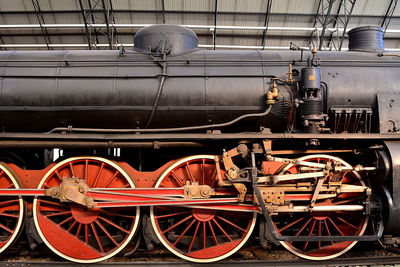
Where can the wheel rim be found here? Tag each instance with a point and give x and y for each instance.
(324, 223)
(11, 209)
(181, 230)
(76, 233)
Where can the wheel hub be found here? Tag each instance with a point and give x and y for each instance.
(84, 215)
(203, 215)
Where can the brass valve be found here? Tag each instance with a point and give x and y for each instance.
(272, 95)
(289, 79)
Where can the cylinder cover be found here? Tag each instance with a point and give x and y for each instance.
(169, 39)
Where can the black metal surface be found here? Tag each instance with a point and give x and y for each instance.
(366, 38)
(311, 77)
(102, 89)
(389, 110)
(130, 135)
(175, 39)
(393, 211)
(364, 238)
(312, 106)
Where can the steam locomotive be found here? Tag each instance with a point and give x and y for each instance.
(200, 151)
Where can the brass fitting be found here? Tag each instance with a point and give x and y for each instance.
(290, 80)
(195, 190)
(272, 95)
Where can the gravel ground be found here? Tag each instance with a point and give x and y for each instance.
(20, 252)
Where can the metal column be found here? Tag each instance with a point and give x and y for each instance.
(266, 23)
(388, 15)
(329, 21)
(99, 12)
(215, 25)
(39, 15)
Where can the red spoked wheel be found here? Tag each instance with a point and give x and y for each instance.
(79, 234)
(199, 235)
(324, 223)
(12, 209)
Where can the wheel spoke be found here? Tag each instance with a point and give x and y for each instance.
(107, 233)
(72, 226)
(222, 229)
(177, 224)
(346, 222)
(291, 224)
(111, 179)
(9, 215)
(303, 226)
(204, 235)
(203, 171)
(72, 169)
(66, 220)
(214, 178)
(98, 175)
(213, 232)
(86, 234)
(113, 224)
(59, 213)
(42, 201)
(86, 171)
(6, 228)
(183, 233)
(176, 177)
(310, 234)
(109, 213)
(319, 232)
(187, 168)
(97, 237)
(231, 223)
(8, 202)
(78, 231)
(327, 230)
(171, 215)
(194, 236)
(58, 176)
(335, 226)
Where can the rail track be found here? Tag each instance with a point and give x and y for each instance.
(362, 255)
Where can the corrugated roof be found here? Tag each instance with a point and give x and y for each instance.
(248, 13)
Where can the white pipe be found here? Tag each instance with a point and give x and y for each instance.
(255, 47)
(210, 27)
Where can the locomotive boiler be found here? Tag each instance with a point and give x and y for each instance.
(188, 147)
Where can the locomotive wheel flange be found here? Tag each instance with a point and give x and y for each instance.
(199, 235)
(75, 232)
